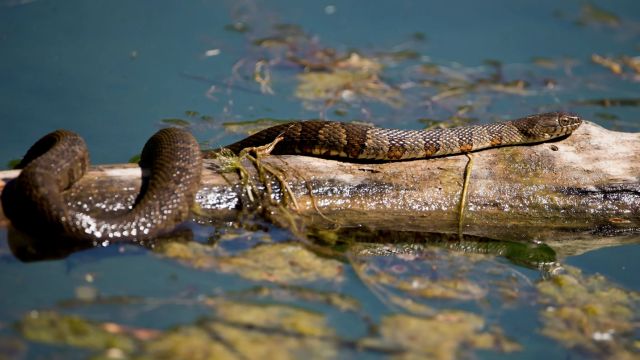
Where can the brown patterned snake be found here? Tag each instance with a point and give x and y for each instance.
(35, 201)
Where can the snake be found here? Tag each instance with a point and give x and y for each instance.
(34, 201)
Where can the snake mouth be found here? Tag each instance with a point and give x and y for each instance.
(557, 124)
(569, 121)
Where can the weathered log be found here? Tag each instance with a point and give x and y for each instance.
(588, 183)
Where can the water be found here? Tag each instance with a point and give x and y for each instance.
(111, 71)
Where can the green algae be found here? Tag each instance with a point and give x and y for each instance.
(453, 289)
(447, 335)
(412, 276)
(253, 126)
(400, 55)
(348, 85)
(279, 263)
(609, 102)
(235, 331)
(187, 342)
(585, 313)
(544, 62)
(338, 301)
(282, 263)
(54, 328)
(244, 330)
(592, 14)
(273, 316)
(13, 163)
(176, 122)
(454, 121)
(193, 254)
(528, 254)
(590, 314)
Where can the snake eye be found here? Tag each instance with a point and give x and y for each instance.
(567, 120)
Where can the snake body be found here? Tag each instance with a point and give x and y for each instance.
(35, 203)
(364, 142)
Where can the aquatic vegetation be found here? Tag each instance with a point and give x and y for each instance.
(590, 314)
(279, 262)
(405, 81)
(251, 127)
(451, 122)
(411, 276)
(54, 328)
(237, 330)
(609, 102)
(176, 122)
(11, 164)
(285, 292)
(460, 289)
(447, 335)
(186, 343)
(624, 66)
(400, 55)
(192, 118)
(240, 331)
(283, 262)
(194, 254)
(544, 62)
(591, 14)
(285, 318)
(586, 314)
(353, 78)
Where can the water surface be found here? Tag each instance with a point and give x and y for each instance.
(116, 71)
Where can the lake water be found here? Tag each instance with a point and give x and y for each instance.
(116, 71)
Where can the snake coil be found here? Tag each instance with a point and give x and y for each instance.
(34, 201)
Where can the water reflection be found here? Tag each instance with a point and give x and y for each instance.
(27, 248)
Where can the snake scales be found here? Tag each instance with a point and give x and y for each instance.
(34, 201)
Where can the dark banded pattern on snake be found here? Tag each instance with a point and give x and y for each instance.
(34, 201)
(364, 142)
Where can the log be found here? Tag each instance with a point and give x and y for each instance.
(585, 187)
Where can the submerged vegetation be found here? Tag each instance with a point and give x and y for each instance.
(280, 319)
(590, 315)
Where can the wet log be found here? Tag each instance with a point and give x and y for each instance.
(586, 184)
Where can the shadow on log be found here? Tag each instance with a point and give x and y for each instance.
(585, 188)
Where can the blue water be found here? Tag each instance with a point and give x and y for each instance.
(112, 70)
(70, 64)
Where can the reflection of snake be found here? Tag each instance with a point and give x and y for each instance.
(34, 200)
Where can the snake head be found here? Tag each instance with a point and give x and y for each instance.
(541, 127)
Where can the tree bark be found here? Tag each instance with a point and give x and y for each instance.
(588, 183)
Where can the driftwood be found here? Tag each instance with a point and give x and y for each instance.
(587, 184)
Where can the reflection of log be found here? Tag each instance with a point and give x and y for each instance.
(589, 182)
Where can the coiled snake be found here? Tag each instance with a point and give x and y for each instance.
(34, 201)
